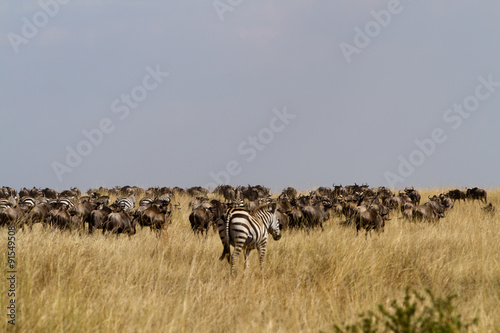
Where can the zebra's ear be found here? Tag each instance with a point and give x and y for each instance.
(272, 207)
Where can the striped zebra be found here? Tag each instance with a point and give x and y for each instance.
(66, 203)
(125, 203)
(4, 203)
(27, 202)
(146, 202)
(247, 231)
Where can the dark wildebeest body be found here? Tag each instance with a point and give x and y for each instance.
(369, 220)
(290, 192)
(38, 214)
(155, 217)
(457, 195)
(49, 193)
(489, 209)
(430, 211)
(200, 219)
(476, 194)
(63, 220)
(119, 223)
(98, 217)
(12, 215)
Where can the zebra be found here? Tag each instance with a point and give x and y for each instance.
(4, 203)
(146, 202)
(66, 203)
(27, 202)
(247, 231)
(125, 203)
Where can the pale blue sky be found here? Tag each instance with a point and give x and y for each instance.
(354, 121)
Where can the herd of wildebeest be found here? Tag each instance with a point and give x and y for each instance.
(358, 206)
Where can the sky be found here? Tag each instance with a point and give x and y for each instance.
(278, 93)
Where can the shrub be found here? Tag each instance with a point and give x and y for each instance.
(416, 314)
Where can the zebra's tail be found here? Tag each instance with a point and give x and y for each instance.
(227, 249)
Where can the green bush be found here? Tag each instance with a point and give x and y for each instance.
(416, 314)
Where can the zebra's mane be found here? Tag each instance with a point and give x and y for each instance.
(262, 208)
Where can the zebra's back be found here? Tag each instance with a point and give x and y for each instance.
(246, 231)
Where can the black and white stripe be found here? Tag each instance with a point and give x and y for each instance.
(247, 231)
(66, 203)
(4, 203)
(125, 203)
(27, 202)
(146, 202)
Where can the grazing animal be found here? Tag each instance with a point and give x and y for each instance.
(12, 215)
(125, 204)
(476, 194)
(62, 219)
(27, 202)
(489, 209)
(369, 219)
(119, 223)
(247, 231)
(200, 219)
(413, 195)
(4, 203)
(290, 192)
(457, 195)
(38, 214)
(155, 217)
(431, 211)
(98, 217)
(49, 193)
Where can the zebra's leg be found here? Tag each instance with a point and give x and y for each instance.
(262, 252)
(247, 261)
(237, 249)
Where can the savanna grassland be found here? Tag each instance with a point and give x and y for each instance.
(68, 282)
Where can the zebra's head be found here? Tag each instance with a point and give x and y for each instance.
(274, 226)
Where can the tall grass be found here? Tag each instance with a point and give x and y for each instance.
(67, 282)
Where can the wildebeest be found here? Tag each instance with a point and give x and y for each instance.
(315, 215)
(98, 217)
(290, 192)
(490, 209)
(13, 215)
(49, 193)
(200, 219)
(38, 214)
(155, 217)
(119, 223)
(446, 201)
(369, 219)
(413, 195)
(457, 194)
(82, 210)
(63, 220)
(431, 211)
(226, 191)
(476, 194)
(206, 214)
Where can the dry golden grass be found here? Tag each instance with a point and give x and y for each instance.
(72, 283)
